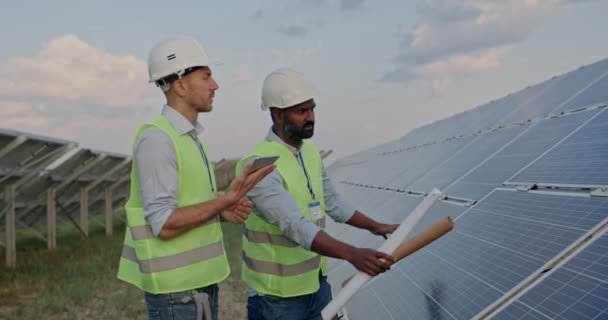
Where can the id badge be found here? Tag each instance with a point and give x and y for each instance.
(314, 207)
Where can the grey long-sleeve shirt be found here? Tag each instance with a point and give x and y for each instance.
(156, 161)
(277, 206)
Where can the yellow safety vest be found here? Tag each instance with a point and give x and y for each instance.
(191, 260)
(272, 263)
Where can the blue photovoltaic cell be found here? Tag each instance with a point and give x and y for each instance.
(414, 163)
(517, 155)
(495, 245)
(558, 92)
(581, 159)
(466, 158)
(475, 119)
(578, 289)
(597, 93)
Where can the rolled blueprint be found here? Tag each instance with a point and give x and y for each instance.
(422, 239)
(389, 247)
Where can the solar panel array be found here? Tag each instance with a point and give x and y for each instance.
(45, 180)
(526, 179)
(576, 289)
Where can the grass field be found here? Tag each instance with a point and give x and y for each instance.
(78, 280)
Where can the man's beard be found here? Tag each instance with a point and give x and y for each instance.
(294, 133)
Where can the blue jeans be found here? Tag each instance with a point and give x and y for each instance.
(306, 307)
(181, 305)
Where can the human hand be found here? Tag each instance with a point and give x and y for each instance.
(370, 261)
(238, 213)
(383, 229)
(247, 180)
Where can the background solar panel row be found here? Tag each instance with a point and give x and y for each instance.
(80, 181)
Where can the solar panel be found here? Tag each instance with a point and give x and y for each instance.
(398, 166)
(595, 94)
(22, 154)
(466, 158)
(575, 289)
(581, 159)
(24, 157)
(472, 121)
(515, 156)
(558, 92)
(414, 163)
(497, 244)
(506, 240)
(33, 194)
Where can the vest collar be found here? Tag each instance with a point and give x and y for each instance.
(180, 123)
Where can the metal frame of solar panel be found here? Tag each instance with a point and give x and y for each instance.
(580, 160)
(595, 94)
(533, 142)
(83, 179)
(478, 119)
(23, 157)
(559, 92)
(461, 161)
(85, 172)
(576, 288)
(504, 241)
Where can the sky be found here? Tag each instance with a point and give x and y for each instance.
(77, 70)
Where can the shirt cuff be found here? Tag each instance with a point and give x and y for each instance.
(308, 232)
(342, 212)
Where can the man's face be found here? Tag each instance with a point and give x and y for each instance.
(200, 89)
(299, 120)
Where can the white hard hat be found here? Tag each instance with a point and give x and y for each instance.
(174, 55)
(284, 88)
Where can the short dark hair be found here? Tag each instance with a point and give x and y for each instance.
(272, 112)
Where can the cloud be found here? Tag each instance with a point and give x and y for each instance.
(73, 90)
(257, 15)
(314, 3)
(73, 71)
(17, 114)
(293, 57)
(351, 5)
(447, 10)
(294, 31)
(305, 16)
(455, 38)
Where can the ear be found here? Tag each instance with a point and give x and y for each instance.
(179, 86)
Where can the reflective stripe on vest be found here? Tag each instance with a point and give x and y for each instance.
(274, 239)
(282, 270)
(265, 237)
(175, 261)
(141, 232)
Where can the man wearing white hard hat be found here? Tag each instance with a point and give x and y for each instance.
(173, 248)
(284, 246)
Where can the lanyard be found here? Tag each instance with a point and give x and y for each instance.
(301, 161)
(202, 151)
